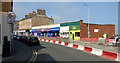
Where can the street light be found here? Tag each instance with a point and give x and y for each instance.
(88, 20)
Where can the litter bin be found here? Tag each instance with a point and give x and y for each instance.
(6, 47)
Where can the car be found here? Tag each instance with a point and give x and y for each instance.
(14, 36)
(27, 39)
(116, 40)
(34, 40)
(19, 37)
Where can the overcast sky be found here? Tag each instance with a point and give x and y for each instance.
(100, 12)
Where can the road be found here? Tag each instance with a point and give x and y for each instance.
(49, 52)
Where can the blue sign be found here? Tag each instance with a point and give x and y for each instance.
(34, 30)
(55, 29)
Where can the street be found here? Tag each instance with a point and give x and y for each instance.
(49, 52)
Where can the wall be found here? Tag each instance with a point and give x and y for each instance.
(39, 20)
(25, 24)
(84, 30)
(110, 29)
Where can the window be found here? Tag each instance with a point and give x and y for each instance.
(96, 30)
(77, 34)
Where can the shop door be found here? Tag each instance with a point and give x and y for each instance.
(73, 36)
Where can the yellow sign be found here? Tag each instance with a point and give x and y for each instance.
(105, 35)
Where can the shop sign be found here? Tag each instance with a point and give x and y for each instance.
(55, 29)
(34, 30)
(43, 29)
(70, 23)
(74, 28)
(22, 31)
(66, 28)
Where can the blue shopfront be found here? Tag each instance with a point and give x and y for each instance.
(48, 32)
(54, 32)
(34, 32)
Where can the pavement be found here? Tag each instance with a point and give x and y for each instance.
(48, 52)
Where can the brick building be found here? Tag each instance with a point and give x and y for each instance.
(96, 30)
(34, 19)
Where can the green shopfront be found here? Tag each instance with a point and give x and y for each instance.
(74, 29)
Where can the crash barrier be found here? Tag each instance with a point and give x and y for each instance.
(95, 51)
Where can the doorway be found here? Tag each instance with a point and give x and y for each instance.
(73, 36)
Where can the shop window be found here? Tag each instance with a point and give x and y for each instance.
(77, 34)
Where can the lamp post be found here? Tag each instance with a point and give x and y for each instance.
(88, 21)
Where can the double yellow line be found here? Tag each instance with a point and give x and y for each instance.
(34, 56)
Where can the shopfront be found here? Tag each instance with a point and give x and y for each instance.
(74, 32)
(64, 32)
(54, 32)
(22, 32)
(34, 32)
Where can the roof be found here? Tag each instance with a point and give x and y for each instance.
(99, 24)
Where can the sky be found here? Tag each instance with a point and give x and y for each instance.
(99, 12)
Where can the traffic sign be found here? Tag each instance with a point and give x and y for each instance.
(11, 17)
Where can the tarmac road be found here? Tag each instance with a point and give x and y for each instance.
(49, 52)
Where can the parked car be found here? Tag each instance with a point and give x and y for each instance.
(27, 39)
(14, 36)
(19, 37)
(33, 40)
(116, 40)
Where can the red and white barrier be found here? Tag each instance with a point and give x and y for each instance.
(99, 52)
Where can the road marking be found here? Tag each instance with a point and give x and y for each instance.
(35, 57)
(32, 56)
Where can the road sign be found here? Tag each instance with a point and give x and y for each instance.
(11, 17)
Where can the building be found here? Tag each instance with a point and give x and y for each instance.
(74, 30)
(16, 28)
(46, 30)
(5, 27)
(34, 19)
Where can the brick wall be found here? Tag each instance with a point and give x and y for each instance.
(84, 30)
(110, 29)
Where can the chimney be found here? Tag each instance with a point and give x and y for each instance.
(81, 21)
(40, 11)
(30, 14)
(51, 17)
(26, 15)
